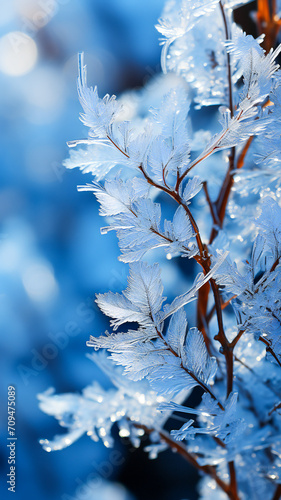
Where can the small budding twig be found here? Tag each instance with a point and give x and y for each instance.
(190, 373)
(269, 349)
(204, 260)
(275, 407)
(212, 205)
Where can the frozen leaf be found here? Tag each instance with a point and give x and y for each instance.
(140, 302)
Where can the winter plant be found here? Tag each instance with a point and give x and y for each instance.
(210, 150)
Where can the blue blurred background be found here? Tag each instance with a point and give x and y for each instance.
(52, 256)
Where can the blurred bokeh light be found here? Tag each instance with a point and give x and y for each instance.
(18, 53)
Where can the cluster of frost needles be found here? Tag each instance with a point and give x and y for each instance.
(223, 333)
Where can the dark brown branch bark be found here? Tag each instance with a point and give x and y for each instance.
(276, 407)
(269, 349)
(268, 23)
(277, 494)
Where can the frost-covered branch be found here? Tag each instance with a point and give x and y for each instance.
(226, 343)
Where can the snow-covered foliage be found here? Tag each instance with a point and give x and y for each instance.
(223, 334)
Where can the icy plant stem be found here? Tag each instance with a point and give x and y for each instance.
(190, 373)
(204, 260)
(269, 349)
(227, 37)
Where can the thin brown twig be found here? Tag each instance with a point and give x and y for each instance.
(237, 338)
(269, 349)
(190, 373)
(119, 149)
(275, 407)
(178, 199)
(191, 458)
(220, 209)
(222, 200)
(212, 206)
(204, 261)
(218, 213)
(223, 306)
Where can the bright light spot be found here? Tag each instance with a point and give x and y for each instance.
(39, 282)
(272, 476)
(160, 399)
(169, 256)
(67, 441)
(124, 433)
(18, 53)
(89, 433)
(258, 358)
(113, 418)
(212, 485)
(249, 344)
(102, 432)
(106, 444)
(136, 419)
(141, 398)
(99, 399)
(48, 448)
